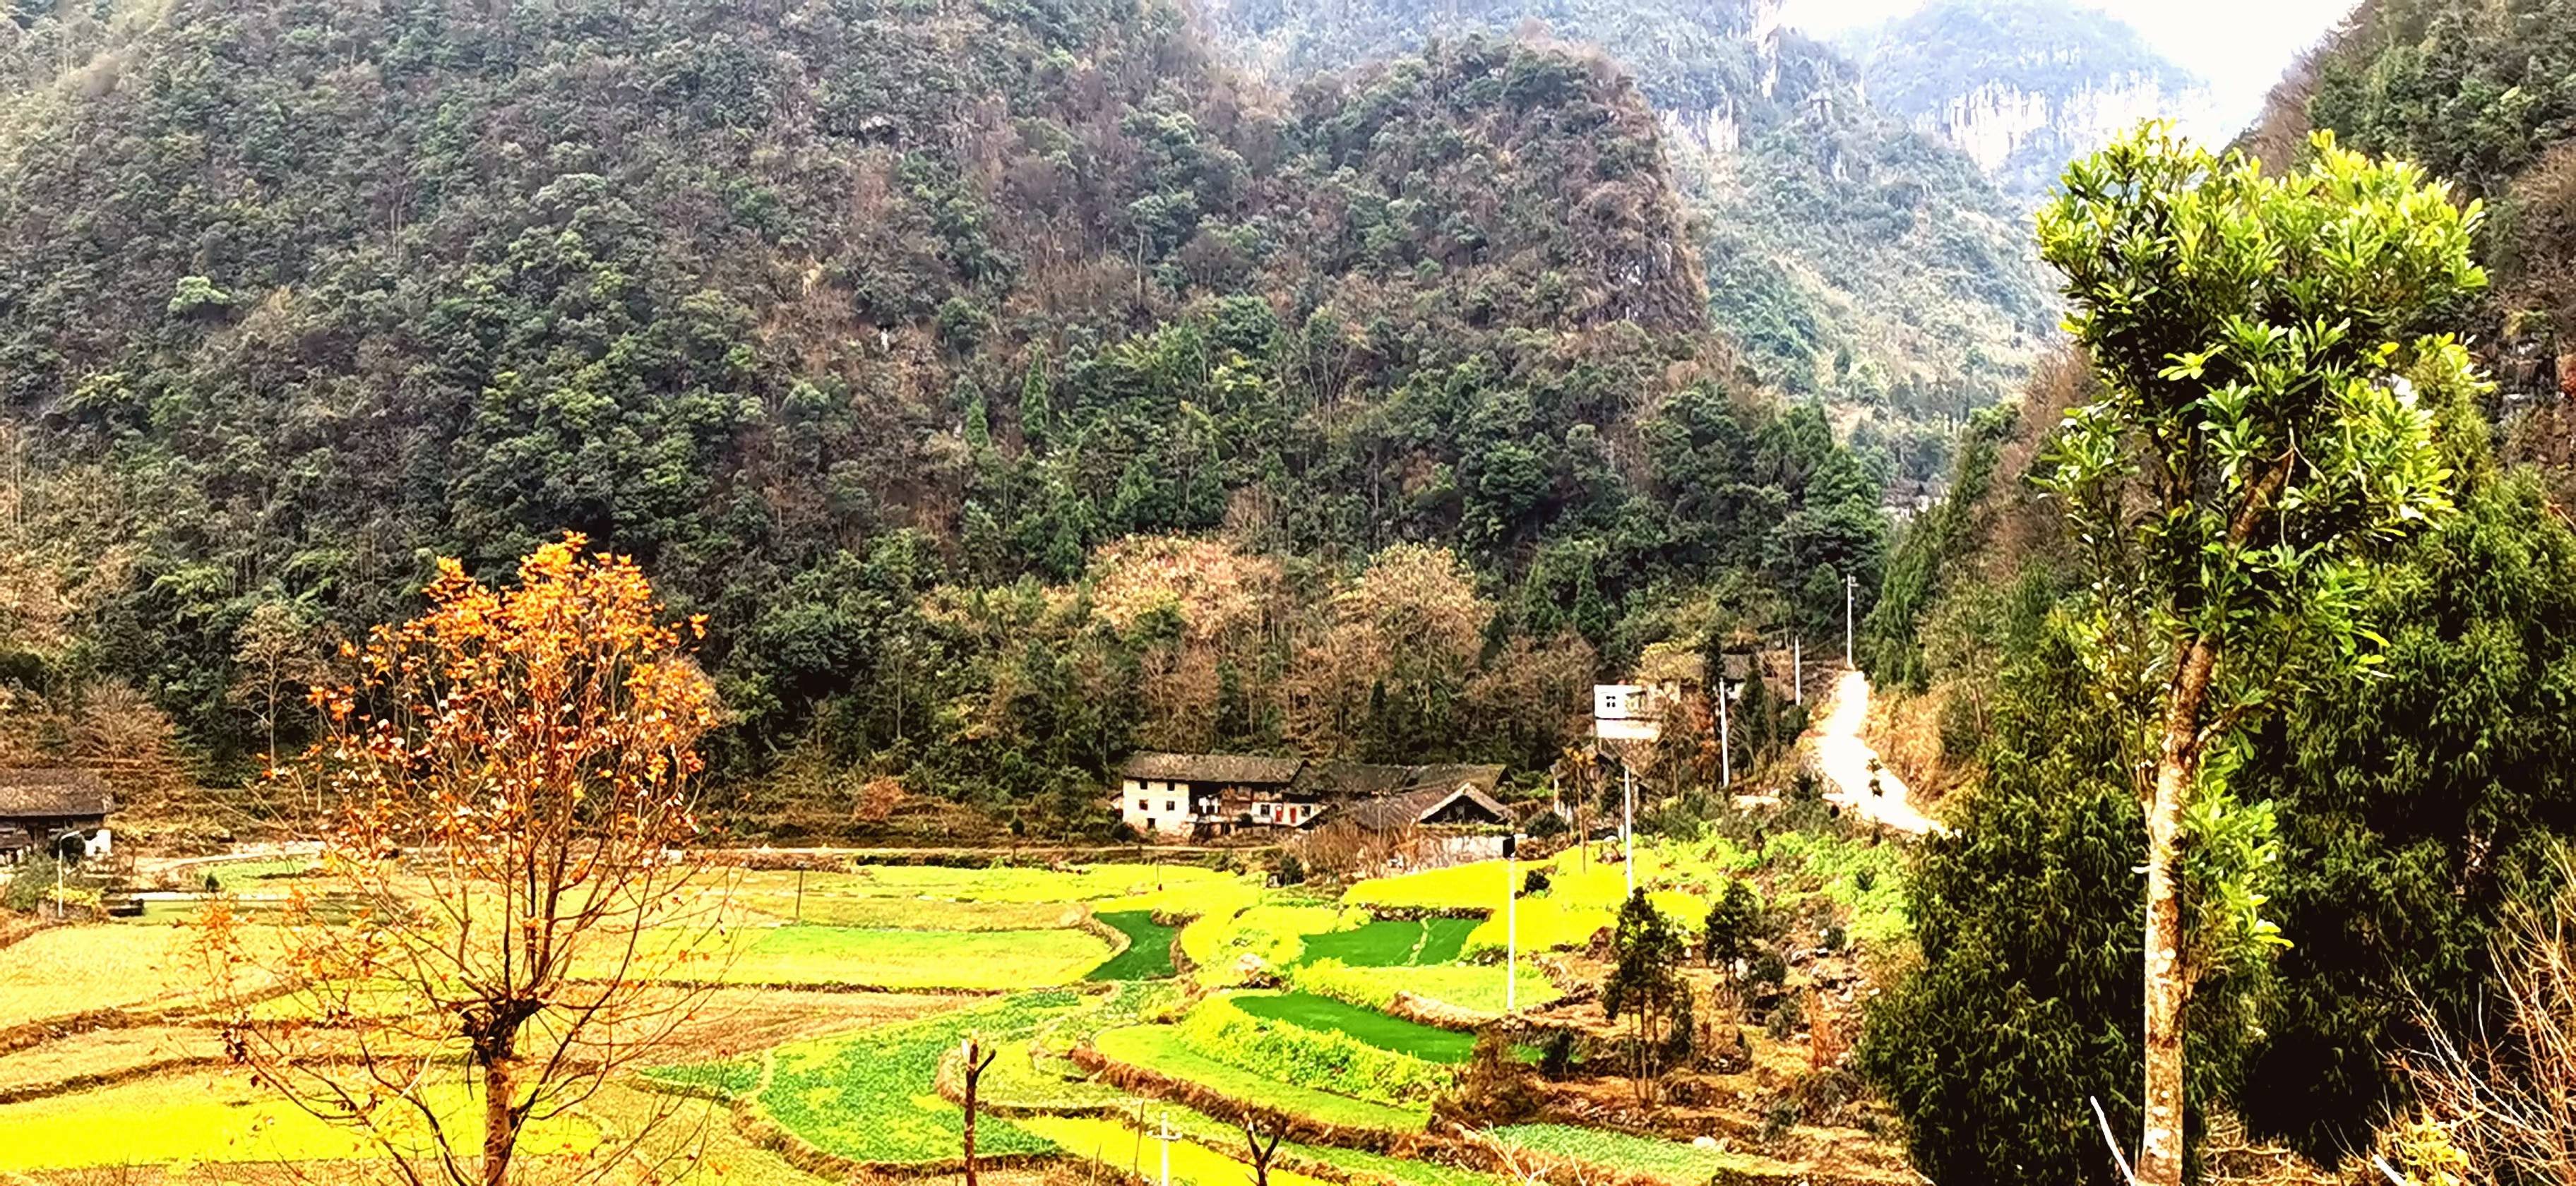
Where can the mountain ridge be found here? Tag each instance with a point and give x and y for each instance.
(2021, 86)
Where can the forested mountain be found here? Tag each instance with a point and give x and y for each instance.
(2021, 86)
(2413, 802)
(1852, 261)
(2479, 92)
(872, 327)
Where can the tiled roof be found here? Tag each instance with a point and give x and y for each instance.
(1230, 769)
(1389, 812)
(1363, 780)
(38, 793)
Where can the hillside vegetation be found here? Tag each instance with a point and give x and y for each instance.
(2414, 803)
(1851, 260)
(870, 327)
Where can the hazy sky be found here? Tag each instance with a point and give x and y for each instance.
(2240, 46)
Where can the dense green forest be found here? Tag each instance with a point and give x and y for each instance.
(2412, 804)
(873, 328)
(1851, 260)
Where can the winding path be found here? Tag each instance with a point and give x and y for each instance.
(1845, 760)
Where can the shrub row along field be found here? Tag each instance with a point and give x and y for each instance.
(1149, 948)
(1089, 883)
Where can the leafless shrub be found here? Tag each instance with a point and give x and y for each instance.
(2503, 1093)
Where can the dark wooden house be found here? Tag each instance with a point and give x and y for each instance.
(38, 806)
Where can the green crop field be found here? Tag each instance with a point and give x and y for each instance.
(1361, 1167)
(1392, 942)
(1163, 1049)
(869, 1096)
(1149, 948)
(1272, 935)
(860, 1083)
(1375, 1028)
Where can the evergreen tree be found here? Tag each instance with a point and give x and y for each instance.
(1646, 986)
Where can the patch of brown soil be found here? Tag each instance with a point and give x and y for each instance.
(737, 1021)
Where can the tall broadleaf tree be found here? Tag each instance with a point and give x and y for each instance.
(2256, 446)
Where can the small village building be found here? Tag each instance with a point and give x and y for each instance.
(40, 806)
(1207, 796)
(1425, 817)
(1211, 794)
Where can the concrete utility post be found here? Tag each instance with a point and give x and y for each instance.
(1849, 583)
(1725, 734)
(1167, 1136)
(1511, 923)
(1798, 668)
(1628, 823)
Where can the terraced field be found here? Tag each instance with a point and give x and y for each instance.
(802, 1058)
(207, 1116)
(1163, 1049)
(1366, 1025)
(1388, 943)
(1149, 947)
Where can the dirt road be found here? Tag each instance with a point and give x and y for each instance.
(1845, 761)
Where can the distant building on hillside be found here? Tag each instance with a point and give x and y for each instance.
(40, 806)
(1907, 498)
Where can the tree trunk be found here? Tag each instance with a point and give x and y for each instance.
(500, 1125)
(970, 1115)
(2168, 983)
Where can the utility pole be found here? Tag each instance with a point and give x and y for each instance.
(1167, 1136)
(1798, 668)
(1628, 823)
(1725, 733)
(1511, 924)
(1849, 582)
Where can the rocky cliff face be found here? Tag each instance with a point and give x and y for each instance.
(2021, 86)
(1997, 123)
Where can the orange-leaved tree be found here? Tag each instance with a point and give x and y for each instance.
(505, 917)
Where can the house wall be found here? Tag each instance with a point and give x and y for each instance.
(1156, 805)
(22, 835)
(1175, 807)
